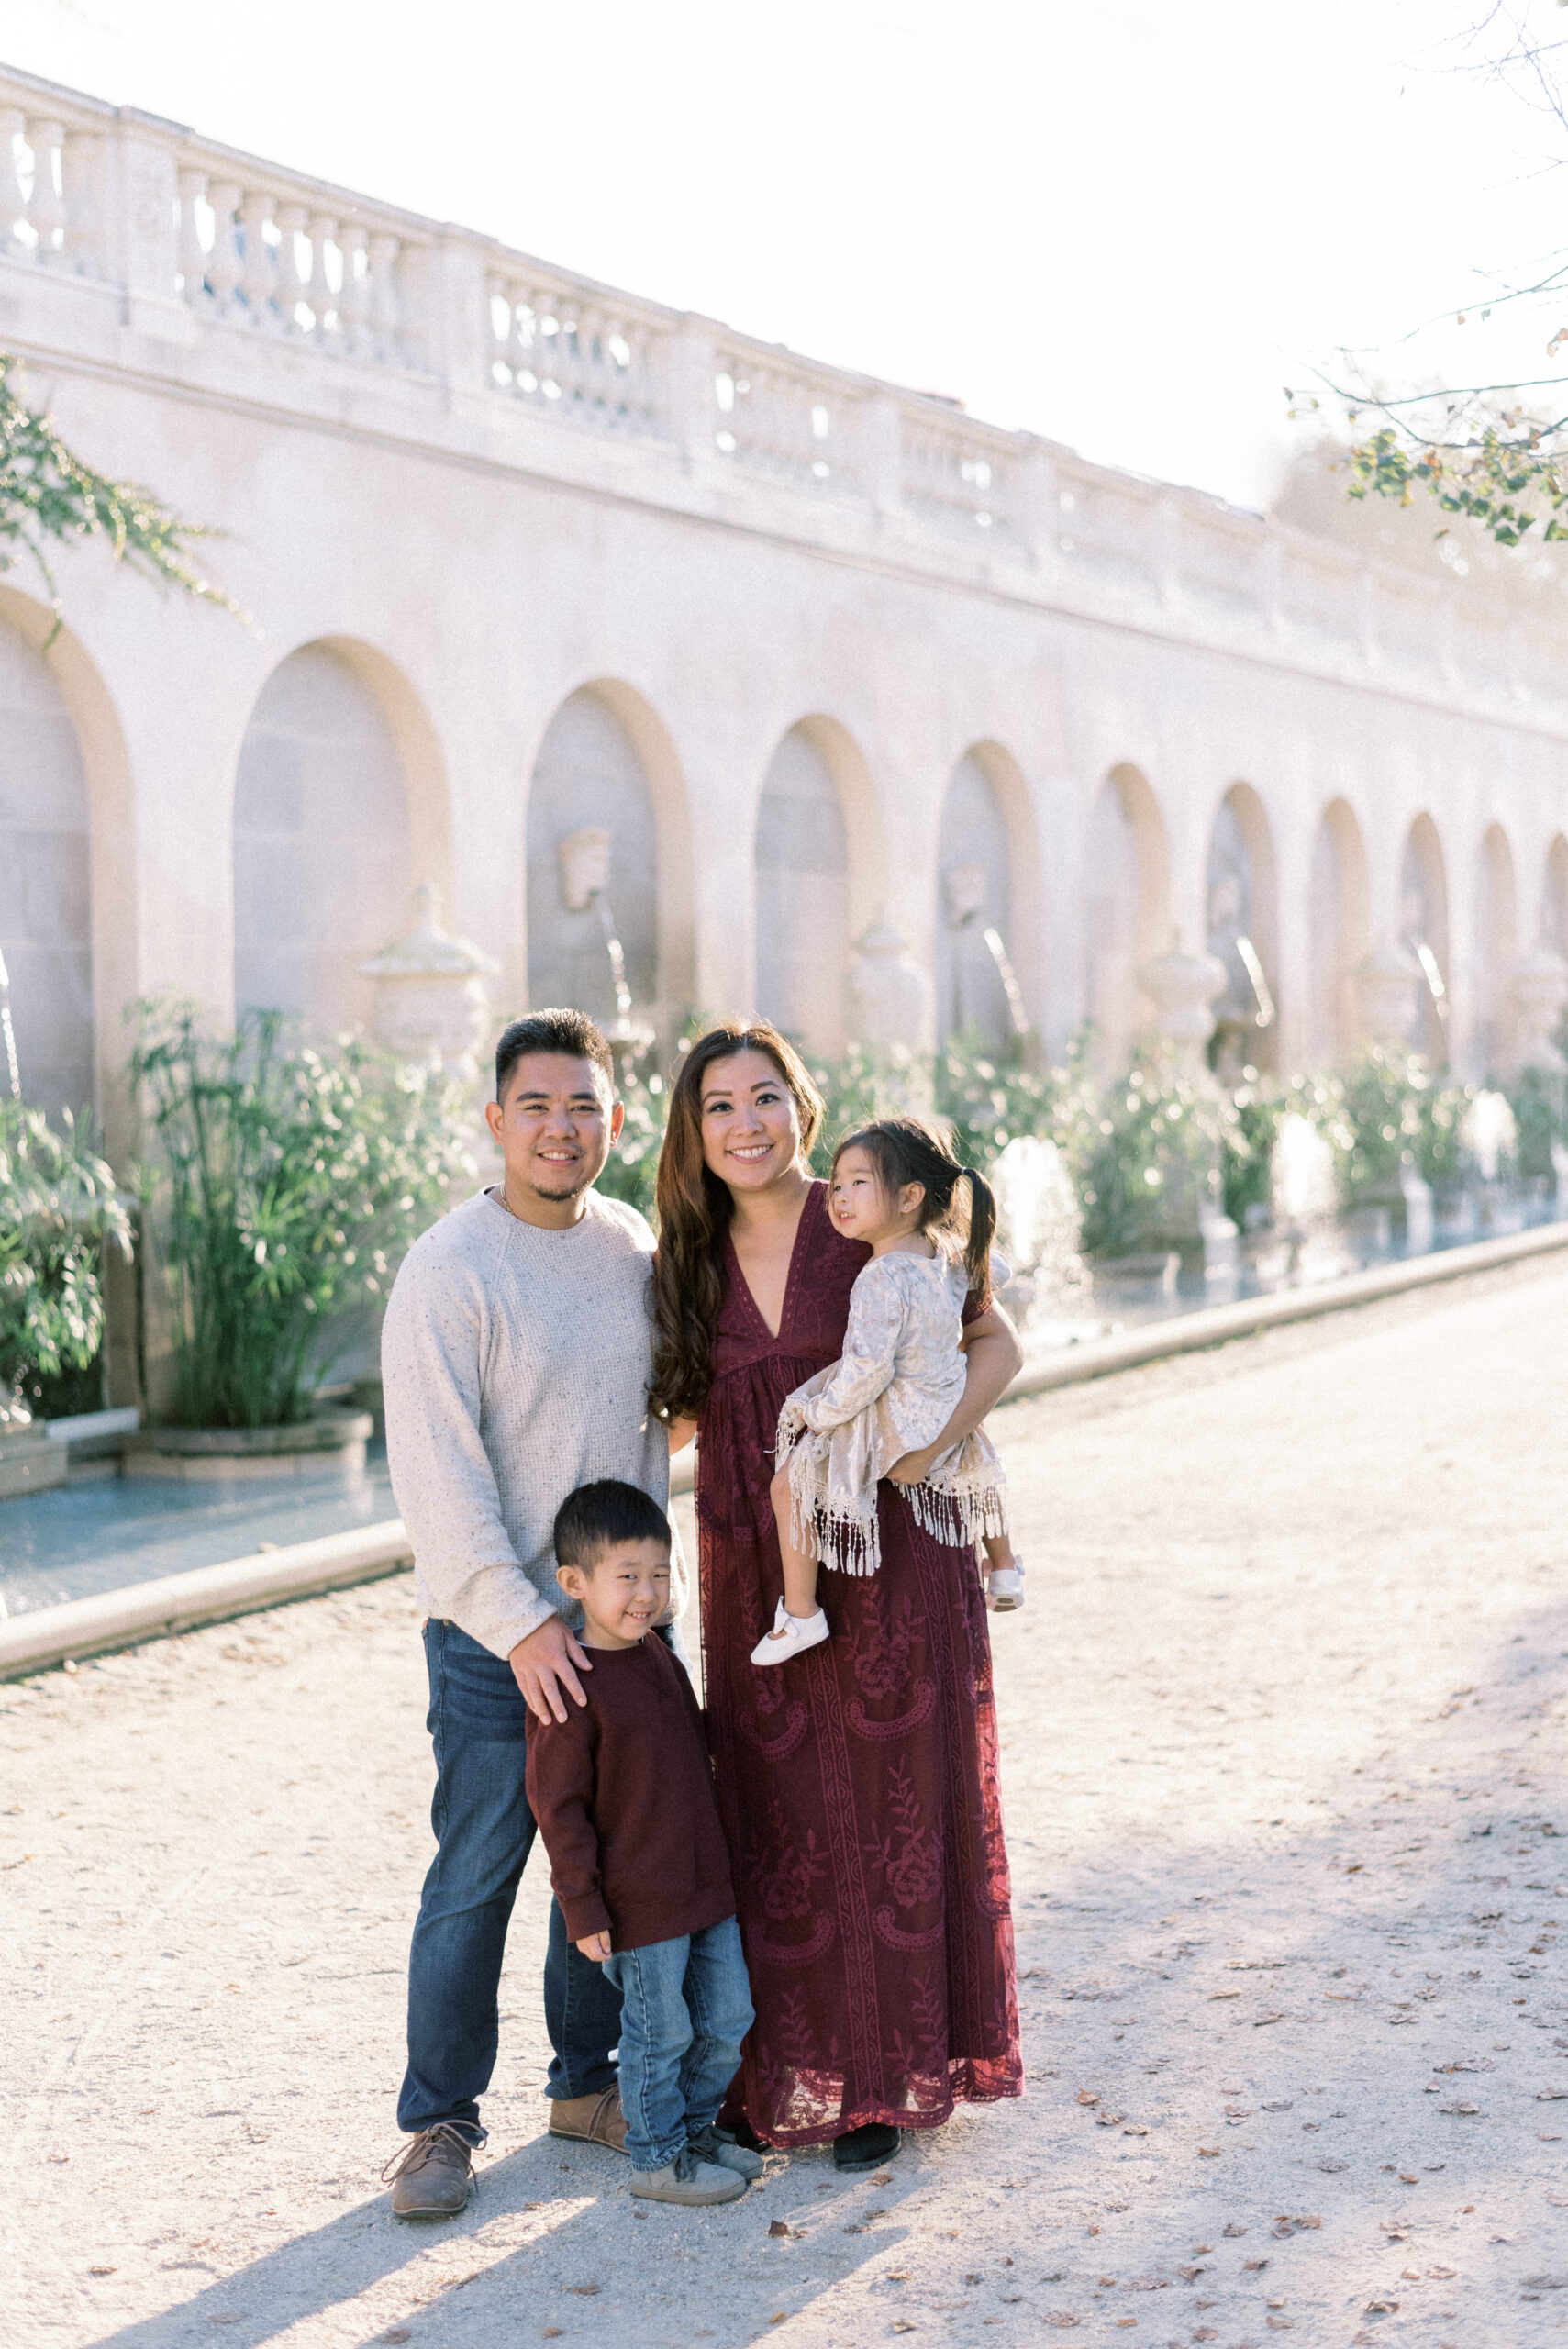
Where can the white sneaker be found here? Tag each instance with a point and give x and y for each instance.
(791, 1636)
(1005, 1587)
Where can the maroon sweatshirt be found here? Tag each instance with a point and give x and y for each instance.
(623, 1793)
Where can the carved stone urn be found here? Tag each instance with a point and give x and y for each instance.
(431, 1007)
(885, 993)
(1387, 983)
(1539, 987)
(1183, 989)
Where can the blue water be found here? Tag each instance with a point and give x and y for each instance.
(109, 1531)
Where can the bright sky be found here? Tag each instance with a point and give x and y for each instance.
(1122, 224)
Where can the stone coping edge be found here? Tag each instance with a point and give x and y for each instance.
(1216, 1325)
(149, 1610)
(84, 1627)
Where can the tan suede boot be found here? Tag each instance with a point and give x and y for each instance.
(595, 2120)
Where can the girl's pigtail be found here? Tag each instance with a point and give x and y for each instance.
(982, 1232)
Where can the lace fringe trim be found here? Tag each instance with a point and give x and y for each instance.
(844, 1535)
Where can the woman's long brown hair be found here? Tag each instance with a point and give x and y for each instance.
(695, 1208)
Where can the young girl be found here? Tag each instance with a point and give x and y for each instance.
(898, 1384)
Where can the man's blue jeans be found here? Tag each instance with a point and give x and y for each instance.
(685, 2006)
(478, 1724)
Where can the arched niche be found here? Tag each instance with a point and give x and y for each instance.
(339, 810)
(987, 862)
(1126, 910)
(67, 868)
(1244, 931)
(1554, 897)
(1340, 932)
(1497, 950)
(1423, 927)
(607, 766)
(817, 844)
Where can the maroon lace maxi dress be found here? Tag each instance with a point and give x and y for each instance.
(857, 1785)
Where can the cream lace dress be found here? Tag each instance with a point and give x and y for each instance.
(893, 1390)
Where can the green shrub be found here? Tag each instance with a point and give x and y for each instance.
(1162, 1134)
(633, 1165)
(1539, 1098)
(1382, 1105)
(59, 1210)
(1248, 1144)
(289, 1183)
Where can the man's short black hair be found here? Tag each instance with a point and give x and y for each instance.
(595, 1516)
(557, 1030)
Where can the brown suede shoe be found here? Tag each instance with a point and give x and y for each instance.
(595, 2119)
(434, 2177)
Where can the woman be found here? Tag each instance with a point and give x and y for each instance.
(858, 1789)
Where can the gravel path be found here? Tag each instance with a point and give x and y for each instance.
(1284, 1748)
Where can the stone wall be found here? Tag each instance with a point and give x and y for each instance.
(527, 558)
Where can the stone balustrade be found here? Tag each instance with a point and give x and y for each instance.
(187, 240)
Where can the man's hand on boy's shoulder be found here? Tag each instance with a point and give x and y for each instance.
(542, 1666)
(596, 1946)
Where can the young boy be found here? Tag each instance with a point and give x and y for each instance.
(623, 1793)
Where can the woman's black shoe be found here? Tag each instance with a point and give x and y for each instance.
(865, 2148)
(744, 2134)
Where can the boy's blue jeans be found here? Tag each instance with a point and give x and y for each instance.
(685, 2006)
(478, 1725)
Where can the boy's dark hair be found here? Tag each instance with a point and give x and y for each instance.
(595, 1516)
(557, 1030)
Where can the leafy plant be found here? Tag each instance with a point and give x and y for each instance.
(49, 493)
(1157, 1157)
(58, 1209)
(1442, 1151)
(1539, 1098)
(633, 1164)
(1382, 1111)
(289, 1184)
(1247, 1143)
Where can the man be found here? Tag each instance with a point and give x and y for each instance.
(514, 1361)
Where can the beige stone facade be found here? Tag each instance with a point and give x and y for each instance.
(826, 660)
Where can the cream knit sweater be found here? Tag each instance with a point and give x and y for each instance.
(515, 1364)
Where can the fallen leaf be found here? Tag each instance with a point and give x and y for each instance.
(1088, 2095)
(584, 2291)
(1199, 2248)
(1441, 2275)
(1208, 2153)
(1550, 2096)
(883, 2177)
(1409, 2177)
(903, 2325)
(1253, 2266)
(1546, 2283)
(1150, 2284)
(1459, 2107)
(1061, 2319)
(1382, 2308)
(1135, 2129)
(1206, 2332)
(1259, 2021)
(1223, 1994)
(1233, 2230)
(399, 2333)
(109, 2271)
(1189, 2274)
(780, 2227)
